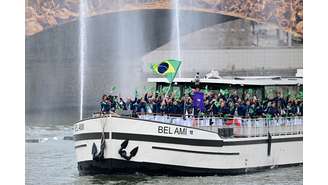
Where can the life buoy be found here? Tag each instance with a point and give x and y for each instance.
(233, 121)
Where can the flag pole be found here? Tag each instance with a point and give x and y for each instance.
(167, 92)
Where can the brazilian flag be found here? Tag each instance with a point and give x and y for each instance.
(167, 68)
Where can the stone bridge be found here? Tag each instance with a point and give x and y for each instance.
(286, 14)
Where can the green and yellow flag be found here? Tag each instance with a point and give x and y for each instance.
(206, 89)
(167, 68)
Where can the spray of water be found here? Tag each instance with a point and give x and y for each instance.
(82, 51)
(177, 32)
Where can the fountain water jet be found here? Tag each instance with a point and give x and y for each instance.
(177, 32)
(83, 48)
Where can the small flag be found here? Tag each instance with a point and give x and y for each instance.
(177, 93)
(165, 89)
(188, 90)
(206, 89)
(224, 92)
(198, 100)
(217, 103)
(167, 68)
(136, 93)
(113, 88)
(300, 95)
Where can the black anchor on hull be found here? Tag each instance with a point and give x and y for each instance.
(100, 155)
(123, 153)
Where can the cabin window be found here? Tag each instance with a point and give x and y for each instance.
(294, 92)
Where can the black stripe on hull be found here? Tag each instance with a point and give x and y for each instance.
(88, 136)
(182, 141)
(80, 146)
(193, 151)
(262, 141)
(165, 139)
(116, 166)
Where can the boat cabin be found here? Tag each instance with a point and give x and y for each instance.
(261, 86)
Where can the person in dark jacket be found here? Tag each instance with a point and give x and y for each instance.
(279, 100)
(232, 108)
(272, 110)
(122, 104)
(241, 110)
(141, 106)
(223, 109)
(157, 105)
(259, 111)
(104, 104)
(131, 104)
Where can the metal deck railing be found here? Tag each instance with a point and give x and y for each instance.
(242, 127)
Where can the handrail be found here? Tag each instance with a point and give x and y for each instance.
(241, 127)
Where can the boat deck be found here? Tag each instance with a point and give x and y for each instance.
(238, 127)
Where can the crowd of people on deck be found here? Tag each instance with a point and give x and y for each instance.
(211, 104)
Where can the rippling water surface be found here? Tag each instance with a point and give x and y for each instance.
(52, 161)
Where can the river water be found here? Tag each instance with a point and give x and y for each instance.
(52, 161)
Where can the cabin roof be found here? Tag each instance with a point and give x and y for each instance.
(249, 80)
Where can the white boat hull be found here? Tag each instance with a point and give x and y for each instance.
(177, 150)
